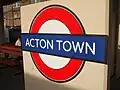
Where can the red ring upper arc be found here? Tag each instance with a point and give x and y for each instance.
(44, 16)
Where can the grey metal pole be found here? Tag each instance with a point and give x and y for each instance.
(113, 39)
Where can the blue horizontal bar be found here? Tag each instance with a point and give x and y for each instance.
(88, 47)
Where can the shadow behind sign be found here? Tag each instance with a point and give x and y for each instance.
(14, 34)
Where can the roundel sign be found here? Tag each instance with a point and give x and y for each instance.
(56, 19)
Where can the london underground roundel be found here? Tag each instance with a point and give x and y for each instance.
(56, 19)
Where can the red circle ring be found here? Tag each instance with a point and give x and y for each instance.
(66, 16)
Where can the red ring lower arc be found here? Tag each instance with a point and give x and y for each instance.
(65, 16)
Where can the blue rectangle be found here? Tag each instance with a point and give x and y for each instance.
(91, 47)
